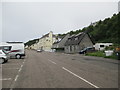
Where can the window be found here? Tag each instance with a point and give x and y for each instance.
(7, 48)
(101, 45)
(0, 52)
(70, 48)
(76, 38)
(69, 39)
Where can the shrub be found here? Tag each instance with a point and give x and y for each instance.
(97, 53)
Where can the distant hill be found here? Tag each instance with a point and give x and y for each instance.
(30, 42)
(107, 30)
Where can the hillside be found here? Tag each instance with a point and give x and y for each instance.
(107, 30)
(30, 42)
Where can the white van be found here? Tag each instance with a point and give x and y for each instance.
(101, 46)
(15, 49)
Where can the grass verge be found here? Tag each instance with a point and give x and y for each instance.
(101, 54)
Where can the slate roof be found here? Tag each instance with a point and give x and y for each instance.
(61, 43)
(76, 39)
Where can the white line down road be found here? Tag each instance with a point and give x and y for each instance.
(6, 79)
(52, 62)
(80, 78)
(16, 77)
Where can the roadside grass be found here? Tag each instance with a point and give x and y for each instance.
(101, 54)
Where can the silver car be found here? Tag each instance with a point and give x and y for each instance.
(3, 56)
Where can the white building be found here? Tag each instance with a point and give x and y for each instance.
(101, 46)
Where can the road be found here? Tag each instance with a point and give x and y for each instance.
(59, 70)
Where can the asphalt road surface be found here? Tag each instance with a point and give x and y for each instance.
(59, 70)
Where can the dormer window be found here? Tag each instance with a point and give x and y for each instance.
(69, 39)
(76, 38)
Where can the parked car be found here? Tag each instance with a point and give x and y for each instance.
(85, 50)
(3, 56)
(39, 50)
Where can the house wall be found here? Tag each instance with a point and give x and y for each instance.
(77, 49)
(62, 42)
(67, 49)
(46, 42)
(72, 49)
(85, 42)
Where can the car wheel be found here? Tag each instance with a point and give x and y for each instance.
(6, 61)
(2, 61)
(18, 56)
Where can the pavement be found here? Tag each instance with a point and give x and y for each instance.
(59, 70)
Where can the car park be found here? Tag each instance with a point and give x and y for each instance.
(3, 56)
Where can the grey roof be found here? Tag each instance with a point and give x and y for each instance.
(47, 35)
(61, 43)
(56, 42)
(76, 39)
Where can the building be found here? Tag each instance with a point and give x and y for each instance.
(34, 46)
(75, 43)
(45, 42)
(101, 46)
(60, 44)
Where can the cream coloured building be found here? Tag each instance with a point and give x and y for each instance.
(45, 42)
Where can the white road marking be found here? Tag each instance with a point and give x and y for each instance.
(80, 77)
(20, 70)
(12, 86)
(21, 66)
(24, 60)
(52, 62)
(10, 64)
(11, 68)
(16, 77)
(6, 79)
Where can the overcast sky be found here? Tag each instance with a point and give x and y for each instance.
(23, 21)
